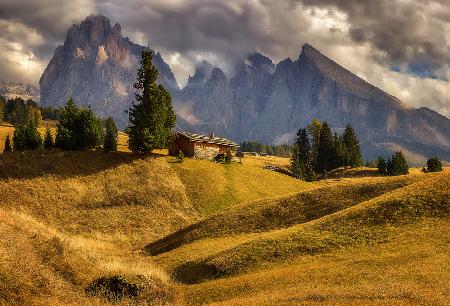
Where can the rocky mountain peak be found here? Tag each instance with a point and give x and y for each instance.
(97, 67)
(201, 75)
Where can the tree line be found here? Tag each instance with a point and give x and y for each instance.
(78, 129)
(317, 150)
(284, 150)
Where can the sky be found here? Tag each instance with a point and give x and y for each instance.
(401, 46)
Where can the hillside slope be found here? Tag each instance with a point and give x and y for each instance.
(403, 219)
(75, 217)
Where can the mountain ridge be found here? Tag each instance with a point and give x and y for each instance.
(261, 101)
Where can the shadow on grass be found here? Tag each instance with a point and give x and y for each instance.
(31, 164)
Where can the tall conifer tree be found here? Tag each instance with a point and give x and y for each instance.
(151, 117)
(325, 150)
(353, 151)
(111, 134)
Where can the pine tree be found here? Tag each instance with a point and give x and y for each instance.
(8, 147)
(48, 140)
(27, 137)
(325, 150)
(397, 164)
(78, 128)
(434, 165)
(381, 165)
(151, 117)
(314, 130)
(339, 151)
(301, 161)
(111, 134)
(353, 151)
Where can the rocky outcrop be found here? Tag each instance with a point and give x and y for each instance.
(10, 90)
(97, 67)
(270, 102)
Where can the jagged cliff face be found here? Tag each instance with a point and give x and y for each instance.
(97, 67)
(270, 103)
(10, 90)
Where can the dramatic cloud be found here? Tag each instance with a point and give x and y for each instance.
(401, 46)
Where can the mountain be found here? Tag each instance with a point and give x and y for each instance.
(261, 101)
(10, 90)
(97, 67)
(269, 103)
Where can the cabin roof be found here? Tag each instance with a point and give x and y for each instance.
(208, 139)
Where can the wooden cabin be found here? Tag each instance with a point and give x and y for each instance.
(200, 146)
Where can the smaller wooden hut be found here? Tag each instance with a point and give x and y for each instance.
(200, 146)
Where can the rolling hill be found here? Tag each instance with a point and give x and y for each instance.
(96, 228)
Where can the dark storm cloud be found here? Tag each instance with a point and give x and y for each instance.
(408, 36)
(410, 32)
(227, 28)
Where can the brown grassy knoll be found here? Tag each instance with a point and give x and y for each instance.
(85, 217)
(366, 223)
(284, 211)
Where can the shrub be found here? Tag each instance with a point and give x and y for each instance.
(434, 165)
(180, 156)
(220, 158)
(228, 157)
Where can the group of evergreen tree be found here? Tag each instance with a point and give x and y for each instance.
(396, 165)
(317, 150)
(78, 129)
(19, 111)
(258, 147)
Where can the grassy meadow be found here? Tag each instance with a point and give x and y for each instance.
(100, 228)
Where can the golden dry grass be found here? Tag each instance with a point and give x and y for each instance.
(76, 216)
(386, 243)
(248, 235)
(213, 187)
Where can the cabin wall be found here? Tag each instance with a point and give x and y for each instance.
(206, 150)
(183, 145)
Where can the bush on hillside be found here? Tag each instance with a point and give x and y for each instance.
(228, 157)
(180, 156)
(27, 137)
(434, 165)
(78, 128)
